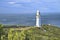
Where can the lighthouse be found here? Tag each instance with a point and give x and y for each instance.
(37, 18)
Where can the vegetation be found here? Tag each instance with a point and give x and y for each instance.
(46, 32)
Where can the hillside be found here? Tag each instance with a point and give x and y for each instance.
(46, 32)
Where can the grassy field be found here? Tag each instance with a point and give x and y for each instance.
(45, 32)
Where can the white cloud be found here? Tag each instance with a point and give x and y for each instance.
(17, 5)
(11, 2)
(26, 0)
(23, 0)
(14, 4)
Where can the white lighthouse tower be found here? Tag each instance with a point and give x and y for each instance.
(37, 18)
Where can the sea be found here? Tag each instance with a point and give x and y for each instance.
(29, 19)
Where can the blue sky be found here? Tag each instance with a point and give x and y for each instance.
(29, 6)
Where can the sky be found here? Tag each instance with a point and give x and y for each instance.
(29, 6)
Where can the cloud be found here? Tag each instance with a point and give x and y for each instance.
(23, 0)
(17, 5)
(14, 4)
(42, 5)
(11, 2)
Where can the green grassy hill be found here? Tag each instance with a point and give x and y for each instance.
(46, 32)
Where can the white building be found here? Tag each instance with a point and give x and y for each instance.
(37, 18)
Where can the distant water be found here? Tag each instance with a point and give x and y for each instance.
(29, 19)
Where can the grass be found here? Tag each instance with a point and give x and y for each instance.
(45, 32)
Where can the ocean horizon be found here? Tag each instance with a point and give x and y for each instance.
(29, 19)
